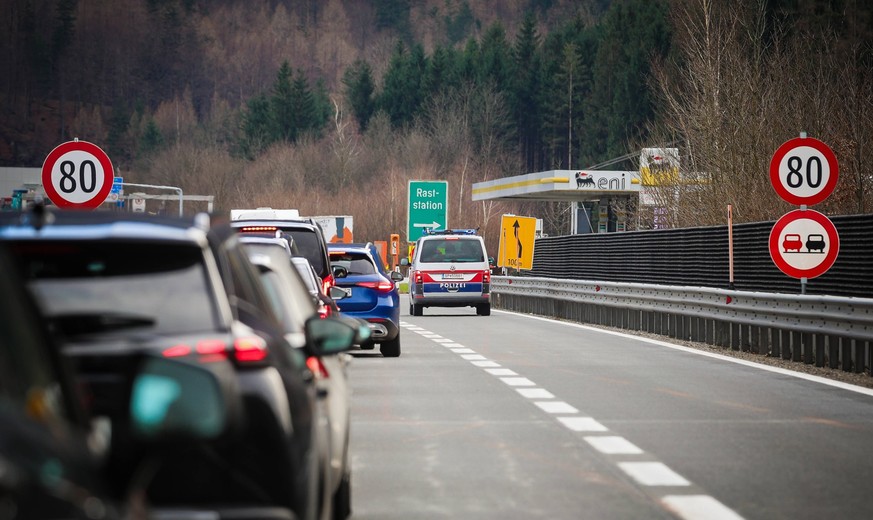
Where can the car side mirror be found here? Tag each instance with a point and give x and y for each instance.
(172, 399)
(397, 277)
(339, 271)
(404, 261)
(326, 336)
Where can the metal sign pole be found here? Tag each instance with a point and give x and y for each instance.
(730, 247)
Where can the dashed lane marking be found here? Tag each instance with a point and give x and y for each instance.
(647, 473)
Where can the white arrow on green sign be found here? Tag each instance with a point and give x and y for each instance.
(428, 207)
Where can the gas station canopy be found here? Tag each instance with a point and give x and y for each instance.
(560, 185)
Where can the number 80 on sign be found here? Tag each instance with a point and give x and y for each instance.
(78, 175)
(804, 171)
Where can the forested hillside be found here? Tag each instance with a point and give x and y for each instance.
(332, 106)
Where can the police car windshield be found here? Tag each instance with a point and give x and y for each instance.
(454, 249)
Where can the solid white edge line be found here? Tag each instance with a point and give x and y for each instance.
(752, 364)
(699, 507)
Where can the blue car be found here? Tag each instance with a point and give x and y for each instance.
(373, 297)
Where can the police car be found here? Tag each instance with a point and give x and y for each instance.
(450, 269)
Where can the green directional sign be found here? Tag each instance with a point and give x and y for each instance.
(428, 207)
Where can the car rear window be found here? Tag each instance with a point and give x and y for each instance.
(99, 286)
(308, 243)
(355, 263)
(451, 250)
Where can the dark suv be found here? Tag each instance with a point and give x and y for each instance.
(304, 233)
(117, 285)
(45, 431)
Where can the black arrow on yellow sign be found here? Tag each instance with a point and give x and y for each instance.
(517, 240)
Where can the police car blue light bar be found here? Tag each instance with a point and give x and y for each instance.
(471, 231)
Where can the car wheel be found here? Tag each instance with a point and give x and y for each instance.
(416, 310)
(342, 499)
(484, 309)
(391, 348)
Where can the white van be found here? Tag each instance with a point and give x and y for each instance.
(264, 213)
(450, 269)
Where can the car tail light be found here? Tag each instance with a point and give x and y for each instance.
(208, 349)
(258, 229)
(211, 346)
(177, 351)
(417, 277)
(317, 367)
(250, 349)
(383, 286)
(327, 283)
(211, 350)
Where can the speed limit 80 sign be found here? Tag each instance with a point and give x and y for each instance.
(804, 171)
(77, 175)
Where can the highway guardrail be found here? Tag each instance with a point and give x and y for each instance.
(828, 331)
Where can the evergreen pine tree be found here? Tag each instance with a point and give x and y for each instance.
(359, 92)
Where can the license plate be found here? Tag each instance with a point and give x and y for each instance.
(453, 276)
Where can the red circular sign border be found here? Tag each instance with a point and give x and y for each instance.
(783, 150)
(71, 146)
(830, 257)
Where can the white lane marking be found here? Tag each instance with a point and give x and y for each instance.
(431, 335)
(463, 351)
(556, 407)
(752, 364)
(653, 474)
(699, 507)
(517, 381)
(687, 507)
(613, 445)
(582, 424)
(423, 332)
(535, 393)
(501, 372)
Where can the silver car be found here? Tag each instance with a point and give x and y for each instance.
(287, 289)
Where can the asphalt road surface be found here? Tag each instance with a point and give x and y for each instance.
(512, 416)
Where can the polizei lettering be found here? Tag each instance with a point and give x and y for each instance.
(452, 286)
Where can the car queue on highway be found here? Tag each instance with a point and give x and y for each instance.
(195, 371)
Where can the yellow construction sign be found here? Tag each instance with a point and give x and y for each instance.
(516, 242)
